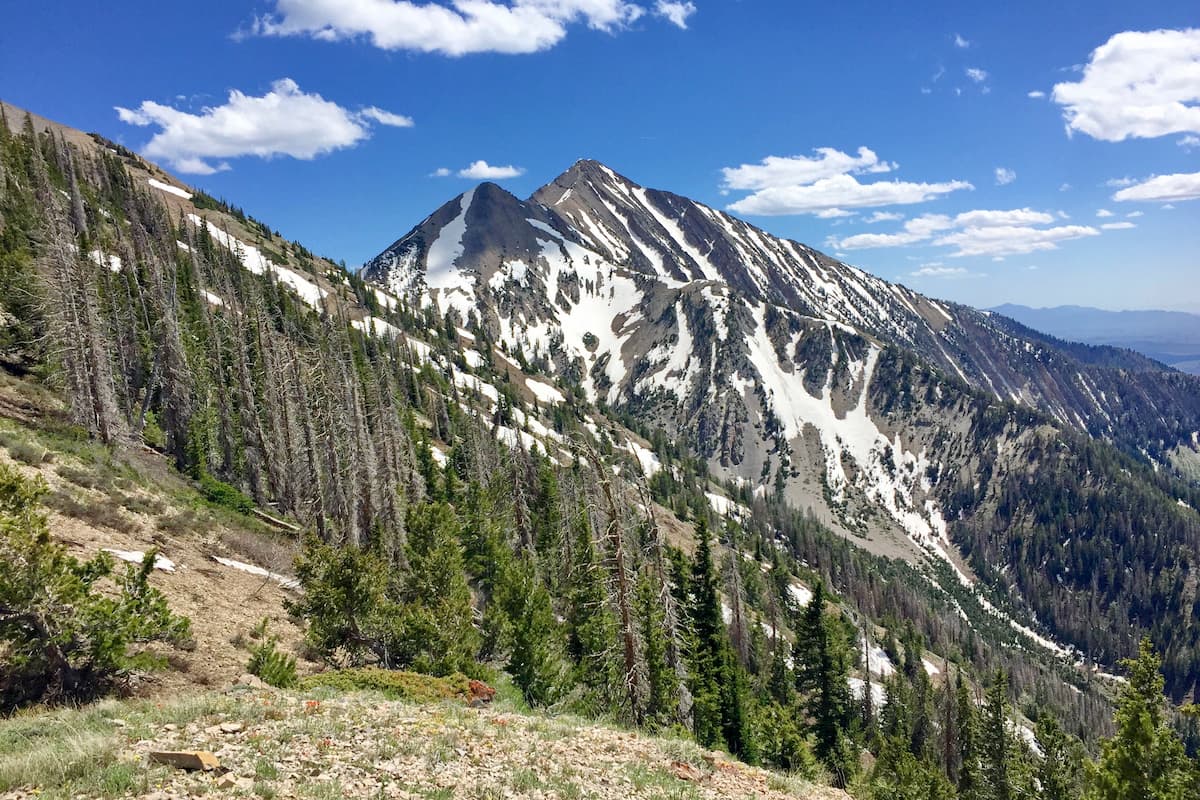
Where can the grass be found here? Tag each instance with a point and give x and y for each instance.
(95, 751)
(68, 752)
(393, 684)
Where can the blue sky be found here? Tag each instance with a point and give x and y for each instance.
(905, 140)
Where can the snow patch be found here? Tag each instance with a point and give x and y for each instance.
(169, 189)
(283, 580)
(544, 392)
(113, 263)
(800, 593)
(161, 563)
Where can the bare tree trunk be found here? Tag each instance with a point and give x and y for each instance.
(621, 574)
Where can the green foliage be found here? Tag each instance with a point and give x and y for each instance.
(1145, 759)
(344, 606)
(360, 609)
(394, 684)
(64, 636)
(432, 620)
(222, 494)
(1058, 768)
(268, 662)
(822, 668)
(536, 660)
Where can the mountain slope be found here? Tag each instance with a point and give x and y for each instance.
(1172, 337)
(900, 420)
(341, 407)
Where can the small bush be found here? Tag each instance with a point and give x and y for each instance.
(153, 434)
(101, 513)
(393, 684)
(84, 478)
(28, 452)
(268, 662)
(182, 522)
(222, 494)
(64, 636)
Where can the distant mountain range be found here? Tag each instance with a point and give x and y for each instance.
(1172, 337)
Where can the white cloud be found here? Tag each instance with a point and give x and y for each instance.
(884, 216)
(1011, 239)
(841, 191)
(1036, 95)
(976, 74)
(978, 232)
(483, 171)
(1135, 214)
(1189, 142)
(936, 270)
(1104, 212)
(675, 13)
(458, 27)
(824, 184)
(1066, 187)
(960, 42)
(1016, 216)
(1117, 226)
(283, 122)
(835, 213)
(1162, 188)
(441, 172)
(776, 171)
(1137, 84)
(386, 117)
(1117, 183)
(1004, 176)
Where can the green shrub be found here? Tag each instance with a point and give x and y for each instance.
(394, 684)
(28, 452)
(222, 494)
(153, 434)
(64, 636)
(268, 662)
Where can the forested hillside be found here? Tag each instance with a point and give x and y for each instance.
(463, 513)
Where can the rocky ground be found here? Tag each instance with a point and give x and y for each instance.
(320, 744)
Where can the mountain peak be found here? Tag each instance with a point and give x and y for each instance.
(583, 173)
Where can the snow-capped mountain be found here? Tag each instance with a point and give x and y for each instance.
(789, 370)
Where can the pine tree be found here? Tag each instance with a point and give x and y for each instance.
(1145, 759)
(1056, 772)
(535, 661)
(966, 722)
(822, 672)
(591, 626)
(708, 637)
(435, 631)
(661, 700)
(780, 683)
(997, 742)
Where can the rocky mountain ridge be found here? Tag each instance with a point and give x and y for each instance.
(905, 423)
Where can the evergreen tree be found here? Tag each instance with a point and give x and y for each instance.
(997, 744)
(660, 679)
(822, 670)
(434, 629)
(535, 661)
(1145, 758)
(1056, 771)
(591, 626)
(708, 642)
(966, 722)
